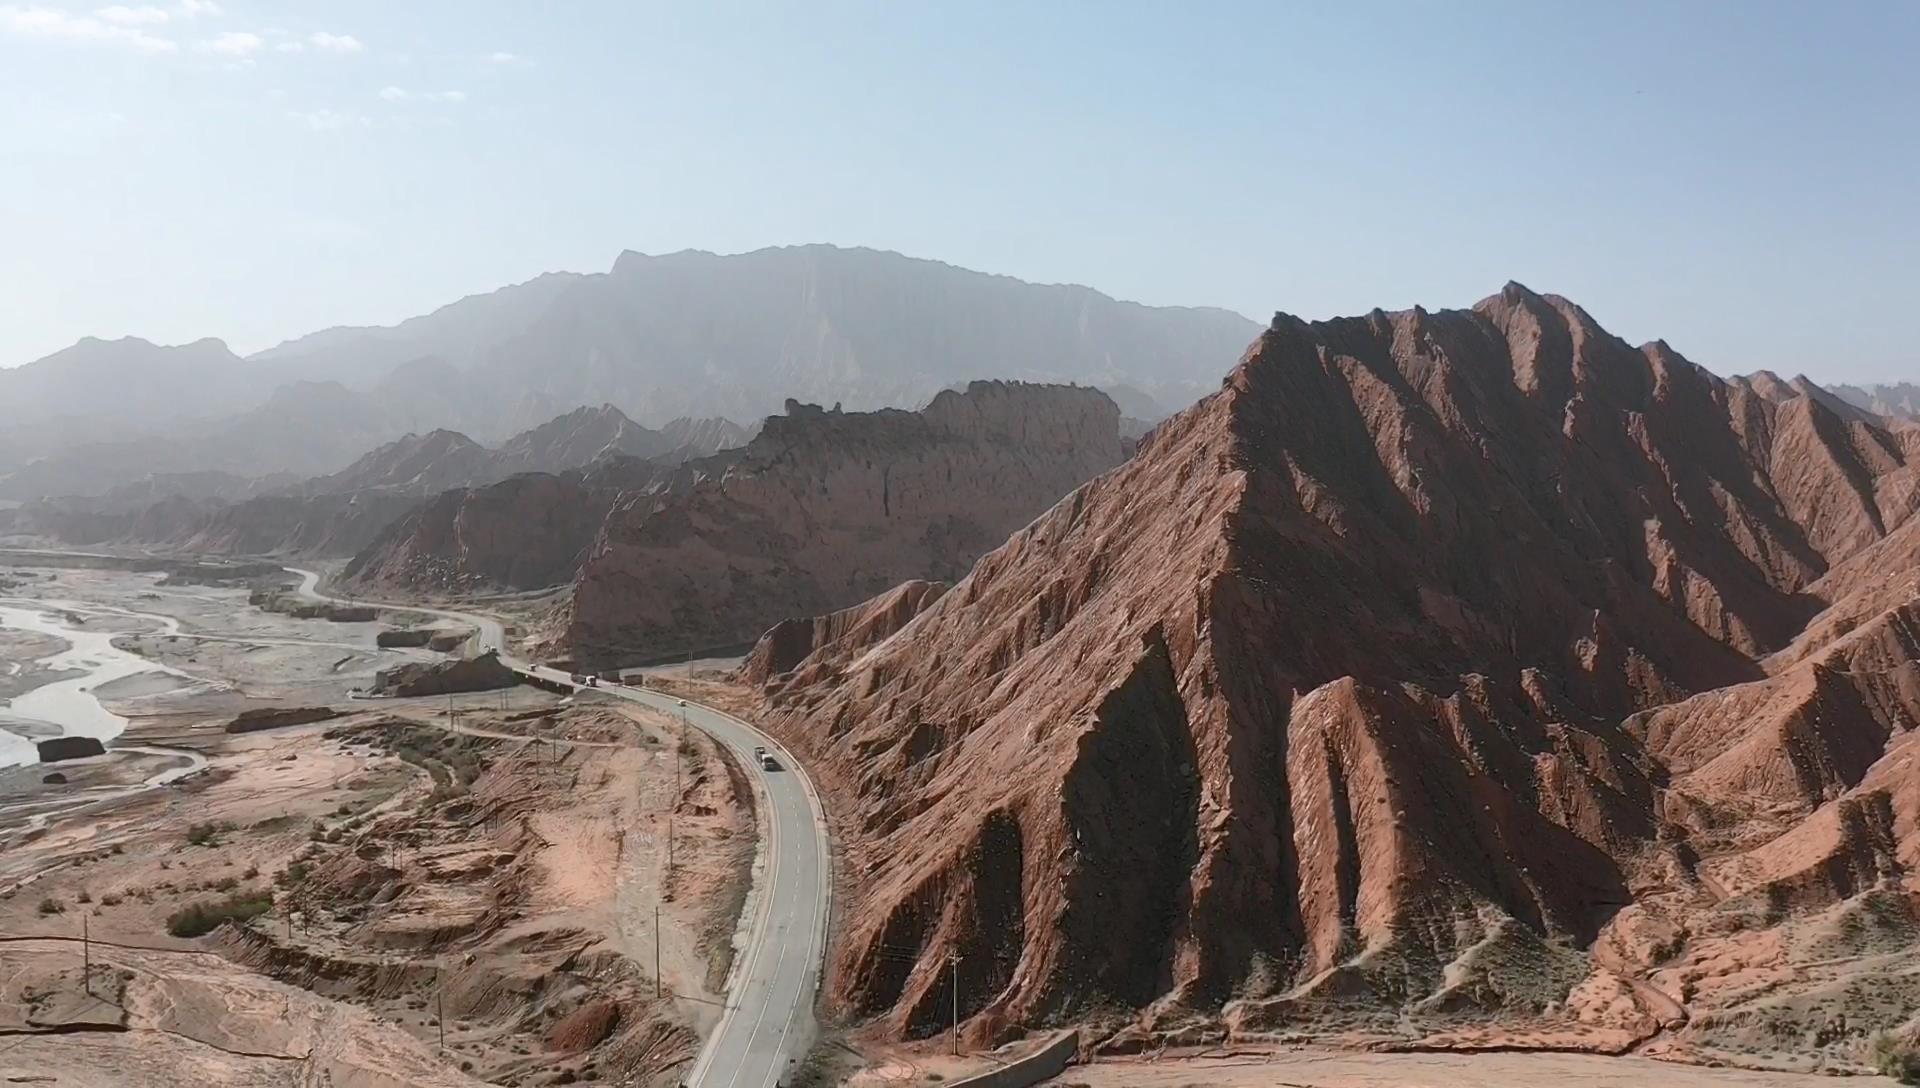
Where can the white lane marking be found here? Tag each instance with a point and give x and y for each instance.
(793, 1009)
(773, 895)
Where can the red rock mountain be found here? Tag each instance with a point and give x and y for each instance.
(528, 531)
(1427, 667)
(824, 508)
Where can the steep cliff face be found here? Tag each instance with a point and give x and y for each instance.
(824, 508)
(1406, 661)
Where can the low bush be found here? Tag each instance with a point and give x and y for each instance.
(207, 834)
(51, 905)
(1897, 1058)
(200, 919)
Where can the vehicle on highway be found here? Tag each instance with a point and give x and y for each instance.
(683, 702)
(767, 762)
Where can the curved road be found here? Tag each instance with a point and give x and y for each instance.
(768, 1024)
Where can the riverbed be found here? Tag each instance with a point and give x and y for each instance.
(70, 706)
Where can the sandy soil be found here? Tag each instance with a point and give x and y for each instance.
(1341, 1069)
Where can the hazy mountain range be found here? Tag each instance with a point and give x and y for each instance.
(689, 334)
(339, 513)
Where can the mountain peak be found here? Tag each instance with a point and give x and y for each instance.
(1259, 695)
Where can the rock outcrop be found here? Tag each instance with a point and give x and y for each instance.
(483, 673)
(824, 508)
(253, 721)
(301, 608)
(58, 749)
(1384, 678)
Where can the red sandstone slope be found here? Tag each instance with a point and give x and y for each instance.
(1332, 675)
(823, 509)
(525, 532)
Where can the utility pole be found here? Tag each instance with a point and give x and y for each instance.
(440, 1002)
(656, 950)
(86, 957)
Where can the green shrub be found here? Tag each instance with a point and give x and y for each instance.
(202, 918)
(207, 834)
(1896, 1058)
(51, 905)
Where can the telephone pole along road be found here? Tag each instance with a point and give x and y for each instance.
(768, 1024)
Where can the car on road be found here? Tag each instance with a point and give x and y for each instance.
(766, 760)
(683, 702)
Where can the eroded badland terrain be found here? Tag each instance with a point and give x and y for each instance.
(1452, 697)
(325, 900)
(1449, 680)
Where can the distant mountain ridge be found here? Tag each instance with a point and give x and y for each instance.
(1898, 400)
(688, 334)
(341, 513)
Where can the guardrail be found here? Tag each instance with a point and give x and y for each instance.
(1049, 1061)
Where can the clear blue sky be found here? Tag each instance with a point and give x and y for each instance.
(1740, 178)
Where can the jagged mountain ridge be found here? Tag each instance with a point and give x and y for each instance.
(821, 509)
(529, 531)
(345, 512)
(688, 334)
(1389, 662)
(699, 334)
(1897, 400)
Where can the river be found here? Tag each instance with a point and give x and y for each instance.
(69, 706)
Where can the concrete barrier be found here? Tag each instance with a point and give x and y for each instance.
(1049, 1061)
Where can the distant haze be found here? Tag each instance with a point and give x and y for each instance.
(1736, 178)
(658, 338)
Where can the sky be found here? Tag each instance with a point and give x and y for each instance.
(1739, 179)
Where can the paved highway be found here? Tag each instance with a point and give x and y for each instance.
(768, 1024)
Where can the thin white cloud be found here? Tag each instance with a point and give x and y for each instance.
(193, 9)
(334, 43)
(330, 120)
(401, 94)
(121, 15)
(50, 23)
(290, 47)
(503, 57)
(232, 43)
